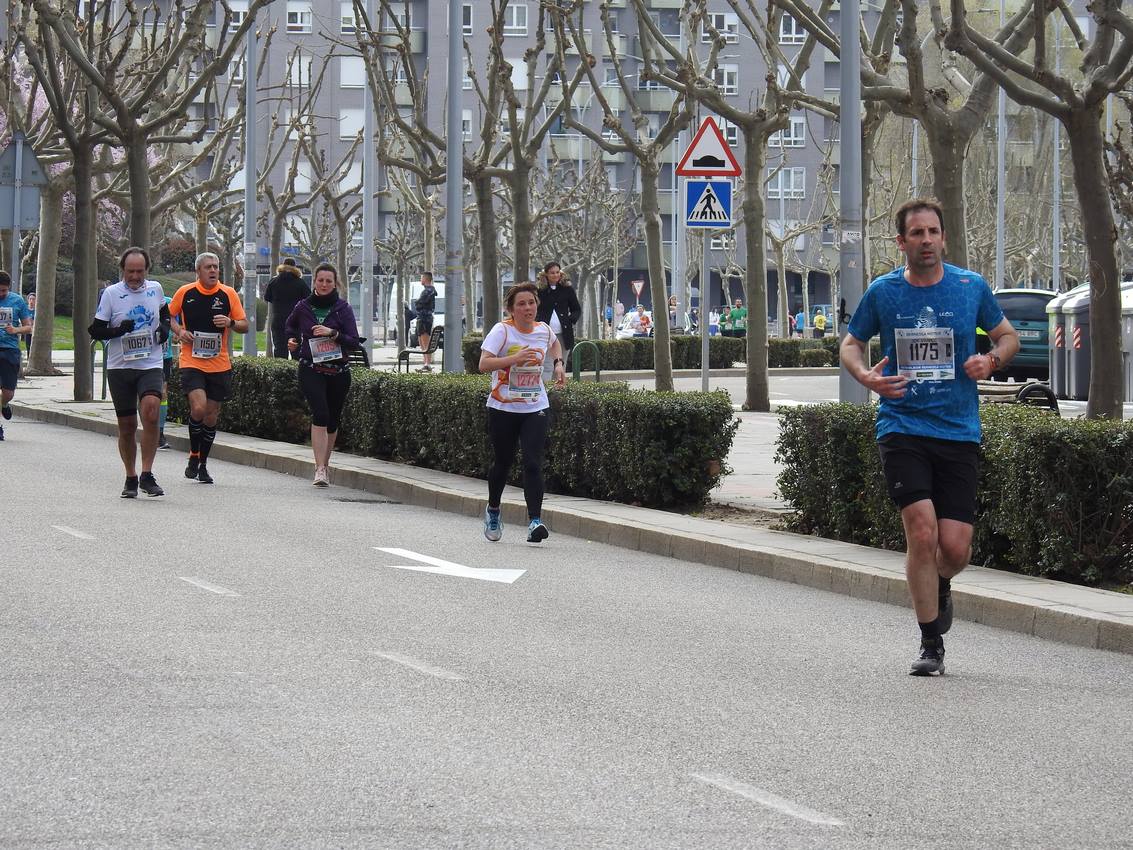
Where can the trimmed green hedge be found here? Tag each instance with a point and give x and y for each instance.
(1055, 495)
(660, 450)
(637, 353)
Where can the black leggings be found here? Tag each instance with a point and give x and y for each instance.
(326, 394)
(529, 431)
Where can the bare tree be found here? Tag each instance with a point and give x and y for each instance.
(1078, 105)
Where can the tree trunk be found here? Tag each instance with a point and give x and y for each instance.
(781, 273)
(518, 182)
(50, 230)
(430, 254)
(201, 234)
(489, 251)
(137, 168)
(469, 298)
(757, 393)
(1087, 154)
(651, 215)
(948, 152)
(402, 329)
(83, 257)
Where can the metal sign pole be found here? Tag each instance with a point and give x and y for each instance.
(705, 300)
(18, 183)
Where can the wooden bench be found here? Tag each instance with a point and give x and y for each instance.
(435, 337)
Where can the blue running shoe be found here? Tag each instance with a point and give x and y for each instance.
(537, 532)
(493, 526)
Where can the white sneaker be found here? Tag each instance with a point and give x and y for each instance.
(321, 479)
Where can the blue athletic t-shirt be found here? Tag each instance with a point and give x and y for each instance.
(947, 409)
(14, 310)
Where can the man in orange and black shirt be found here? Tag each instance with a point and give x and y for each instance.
(203, 313)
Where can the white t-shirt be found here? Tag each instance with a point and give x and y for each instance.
(139, 349)
(519, 389)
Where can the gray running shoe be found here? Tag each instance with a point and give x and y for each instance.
(149, 485)
(493, 525)
(931, 660)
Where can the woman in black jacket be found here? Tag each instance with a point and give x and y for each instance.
(558, 305)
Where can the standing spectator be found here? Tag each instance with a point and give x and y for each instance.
(283, 292)
(31, 309)
(558, 305)
(739, 318)
(320, 331)
(15, 319)
(713, 323)
(424, 307)
(725, 320)
(204, 314)
(800, 322)
(819, 324)
(928, 422)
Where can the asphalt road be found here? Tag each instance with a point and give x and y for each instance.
(239, 666)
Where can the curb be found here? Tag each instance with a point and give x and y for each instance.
(1039, 607)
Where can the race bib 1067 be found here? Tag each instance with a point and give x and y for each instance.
(136, 346)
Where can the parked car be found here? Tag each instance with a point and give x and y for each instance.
(1026, 310)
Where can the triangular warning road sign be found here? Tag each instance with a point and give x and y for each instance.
(708, 155)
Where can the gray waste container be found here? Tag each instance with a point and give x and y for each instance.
(1056, 340)
(1076, 312)
(1127, 338)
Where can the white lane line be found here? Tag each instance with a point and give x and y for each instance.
(448, 568)
(209, 586)
(66, 529)
(420, 666)
(766, 798)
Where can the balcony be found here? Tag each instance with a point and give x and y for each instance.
(655, 100)
(416, 41)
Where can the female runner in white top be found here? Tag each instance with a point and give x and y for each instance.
(514, 351)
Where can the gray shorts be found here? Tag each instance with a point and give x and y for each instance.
(129, 385)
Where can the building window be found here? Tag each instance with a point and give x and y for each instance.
(831, 129)
(466, 82)
(791, 31)
(727, 77)
(298, 17)
(351, 72)
(299, 70)
(303, 175)
(725, 23)
(731, 132)
(466, 12)
(236, 70)
(239, 13)
(831, 175)
(786, 183)
(783, 78)
(793, 137)
(515, 19)
(350, 122)
(348, 22)
(612, 17)
(722, 242)
(466, 123)
(827, 233)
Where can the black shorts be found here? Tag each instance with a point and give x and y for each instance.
(424, 323)
(129, 385)
(9, 367)
(216, 385)
(945, 471)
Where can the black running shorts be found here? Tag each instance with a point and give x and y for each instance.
(424, 323)
(945, 471)
(215, 384)
(129, 385)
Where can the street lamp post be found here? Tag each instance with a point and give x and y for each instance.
(454, 194)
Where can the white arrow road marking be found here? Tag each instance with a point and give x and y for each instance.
(766, 798)
(420, 666)
(206, 585)
(66, 529)
(448, 568)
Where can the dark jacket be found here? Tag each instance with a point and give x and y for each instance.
(563, 301)
(340, 318)
(284, 291)
(427, 301)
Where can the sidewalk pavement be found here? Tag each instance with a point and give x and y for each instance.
(1042, 607)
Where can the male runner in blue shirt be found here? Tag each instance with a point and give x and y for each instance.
(928, 425)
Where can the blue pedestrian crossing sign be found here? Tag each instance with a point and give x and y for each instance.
(708, 203)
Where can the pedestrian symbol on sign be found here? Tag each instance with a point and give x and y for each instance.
(708, 203)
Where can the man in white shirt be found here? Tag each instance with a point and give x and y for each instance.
(133, 321)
